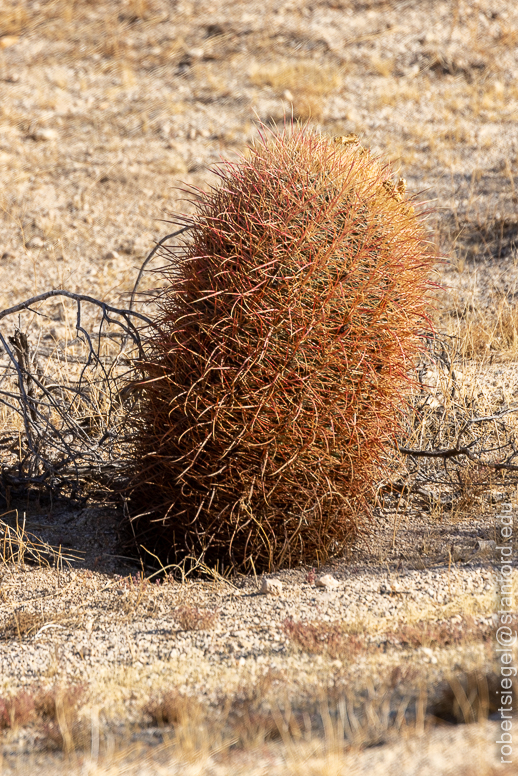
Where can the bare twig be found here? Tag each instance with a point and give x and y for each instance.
(70, 398)
(457, 451)
(27, 304)
(452, 450)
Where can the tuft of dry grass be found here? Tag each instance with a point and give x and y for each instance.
(318, 638)
(305, 84)
(486, 332)
(17, 710)
(55, 712)
(19, 546)
(461, 435)
(22, 624)
(249, 714)
(194, 618)
(466, 698)
(439, 634)
(59, 712)
(173, 708)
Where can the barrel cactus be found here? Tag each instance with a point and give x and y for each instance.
(276, 373)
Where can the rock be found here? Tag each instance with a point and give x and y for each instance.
(8, 40)
(35, 242)
(196, 53)
(44, 133)
(327, 581)
(127, 246)
(429, 654)
(271, 587)
(485, 548)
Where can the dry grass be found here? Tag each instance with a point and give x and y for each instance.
(338, 640)
(439, 634)
(174, 708)
(467, 698)
(23, 625)
(16, 711)
(317, 638)
(17, 545)
(194, 618)
(265, 711)
(53, 711)
(58, 709)
(259, 708)
(457, 415)
(322, 733)
(303, 85)
(486, 332)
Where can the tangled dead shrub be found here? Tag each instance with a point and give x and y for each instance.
(275, 374)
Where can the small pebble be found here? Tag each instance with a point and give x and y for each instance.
(485, 547)
(271, 587)
(327, 581)
(44, 133)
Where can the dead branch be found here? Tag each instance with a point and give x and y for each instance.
(68, 396)
(27, 304)
(148, 259)
(454, 452)
(71, 398)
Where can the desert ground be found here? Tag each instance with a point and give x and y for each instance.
(110, 112)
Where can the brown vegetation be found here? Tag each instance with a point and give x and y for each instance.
(276, 372)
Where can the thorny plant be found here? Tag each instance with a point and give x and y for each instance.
(71, 402)
(267, 369)
(274, 378)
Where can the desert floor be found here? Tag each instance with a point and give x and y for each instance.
(109, 110)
